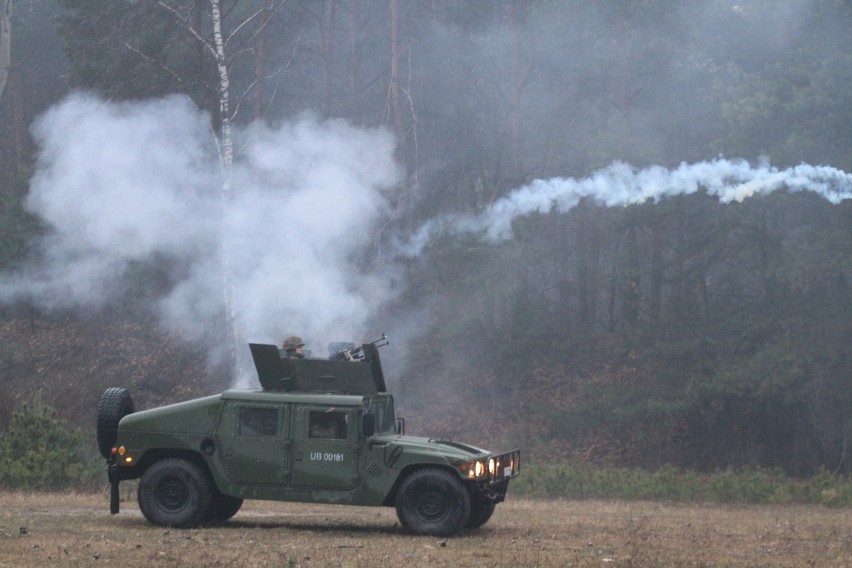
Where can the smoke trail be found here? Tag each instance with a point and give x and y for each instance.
(138, 183)
(133, 183)
(621, 184)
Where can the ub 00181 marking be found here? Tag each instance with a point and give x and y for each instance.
(327, 456)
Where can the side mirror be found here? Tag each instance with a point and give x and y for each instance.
(368, 424)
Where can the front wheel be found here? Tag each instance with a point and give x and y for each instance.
(175, 493)
(480, 512)
(434, 502)
(222, 508)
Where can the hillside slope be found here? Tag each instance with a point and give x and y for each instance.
(72, 361)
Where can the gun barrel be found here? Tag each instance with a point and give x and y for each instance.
(353, 353)
(378, 342)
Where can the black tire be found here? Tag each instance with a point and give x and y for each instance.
(222, 508)
(115, 404)
(175, 493)
(433, 502)
(480, 512)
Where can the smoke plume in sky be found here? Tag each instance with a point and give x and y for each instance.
(621, 184)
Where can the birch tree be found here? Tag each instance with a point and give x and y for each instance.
(217, 49)
(226, 155)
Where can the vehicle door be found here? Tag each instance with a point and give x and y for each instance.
(325, 447)
(254, 441)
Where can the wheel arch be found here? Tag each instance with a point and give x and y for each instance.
(153, 456)
(390, 498)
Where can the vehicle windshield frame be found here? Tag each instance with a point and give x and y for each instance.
(382, 407)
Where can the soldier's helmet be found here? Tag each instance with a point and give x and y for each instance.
(292, 343)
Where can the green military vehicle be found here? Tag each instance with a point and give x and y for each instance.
(318, 431)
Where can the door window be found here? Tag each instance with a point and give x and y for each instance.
(258, 422)
(328, 425)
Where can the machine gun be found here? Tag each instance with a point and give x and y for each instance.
(353, 353)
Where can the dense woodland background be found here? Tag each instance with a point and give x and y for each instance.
(686, 331)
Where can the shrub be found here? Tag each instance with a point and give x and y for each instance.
(38, 451)
(766, 486)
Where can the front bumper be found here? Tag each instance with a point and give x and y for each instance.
(499, 470)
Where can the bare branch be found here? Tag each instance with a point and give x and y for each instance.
(298, 43)
(269, 11)
(413, 129)
(252, 86)
(186, 27)
(149, 59)
(238, 28)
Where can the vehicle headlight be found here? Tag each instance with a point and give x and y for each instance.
(478, 469)
(474, 469)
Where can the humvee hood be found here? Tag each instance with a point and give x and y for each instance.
(438, 446)
(198, 416)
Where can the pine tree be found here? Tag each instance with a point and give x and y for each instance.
(39, 451)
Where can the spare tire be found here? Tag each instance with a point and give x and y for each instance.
(115, 404)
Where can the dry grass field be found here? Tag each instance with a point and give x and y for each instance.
(77, 530)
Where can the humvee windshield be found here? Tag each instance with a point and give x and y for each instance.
(382, 408)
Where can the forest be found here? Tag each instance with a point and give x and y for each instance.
(618, 233)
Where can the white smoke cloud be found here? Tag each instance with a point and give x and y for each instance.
(119, 183)
(112, 192)
(621, 184)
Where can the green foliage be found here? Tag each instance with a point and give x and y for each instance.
(17, 226)
(753, 486)
(38, 451)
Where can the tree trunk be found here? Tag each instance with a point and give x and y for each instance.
(328, 44)
(522, 64)
(632, 287)
(260, 60)
(396, 109)
(588, 256)
(5, 42)
(226, 155)
(355, 60)
(657, 268)
(406, 143)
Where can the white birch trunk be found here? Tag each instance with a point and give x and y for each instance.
(226, 155)
(5, 42)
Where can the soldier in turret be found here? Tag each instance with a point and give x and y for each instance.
(294, 347)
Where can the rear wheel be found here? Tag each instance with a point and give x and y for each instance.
(175, 493)
(433, 502)
(115, 404)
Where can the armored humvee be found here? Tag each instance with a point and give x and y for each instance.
(318, 431)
